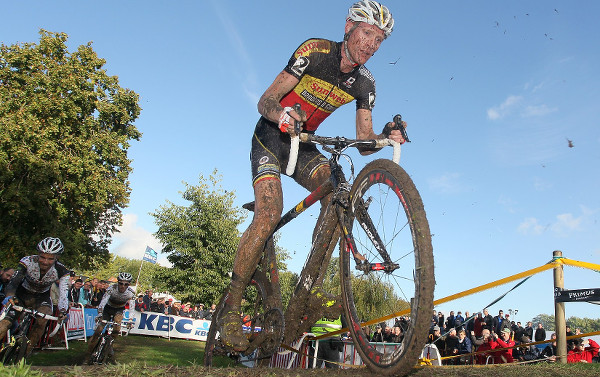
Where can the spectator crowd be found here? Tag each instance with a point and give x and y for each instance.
(457, 337)
(159, 304)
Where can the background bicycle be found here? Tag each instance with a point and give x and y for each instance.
(103, 351)
(385, 249)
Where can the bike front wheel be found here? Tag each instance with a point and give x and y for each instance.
(386, 265)
(15, 352)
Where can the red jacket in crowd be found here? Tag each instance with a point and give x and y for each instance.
(577, 356)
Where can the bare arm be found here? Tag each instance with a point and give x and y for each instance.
(364, 129)
(268, 105)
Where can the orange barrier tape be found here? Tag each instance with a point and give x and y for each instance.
(550, 265)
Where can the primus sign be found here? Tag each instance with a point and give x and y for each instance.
(168, 326)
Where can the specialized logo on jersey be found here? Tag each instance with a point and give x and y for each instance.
(313, 45)
(348, 83)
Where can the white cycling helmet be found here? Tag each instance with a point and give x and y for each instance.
(372, 13)
(125, 276)
(50, 245)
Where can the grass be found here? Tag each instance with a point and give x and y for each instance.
(141, 356)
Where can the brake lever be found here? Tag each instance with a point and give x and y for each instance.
(399, 126)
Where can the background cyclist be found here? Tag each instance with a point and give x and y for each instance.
(112, 305)
(321, 75)
(30, 287)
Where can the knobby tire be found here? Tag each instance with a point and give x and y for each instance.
(12, 354)
(382, 186)
(264, 296)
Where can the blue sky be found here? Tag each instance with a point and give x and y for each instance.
(492, 93)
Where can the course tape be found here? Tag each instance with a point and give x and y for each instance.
(555, 262)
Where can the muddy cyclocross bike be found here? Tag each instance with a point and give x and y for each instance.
(103, 350)
(385, 245)
(15, 347)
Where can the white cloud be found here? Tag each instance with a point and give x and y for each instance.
(540, 184)
(447, 183)
(500, 111)
(566, 223)
(131, 240)
(530, 226)
(540, 110)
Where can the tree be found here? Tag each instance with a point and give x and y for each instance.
(373, 297)
(200, 239)
(546, 320)
(117, 264)
(65, 128)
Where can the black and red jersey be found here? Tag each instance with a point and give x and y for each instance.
(323, 87)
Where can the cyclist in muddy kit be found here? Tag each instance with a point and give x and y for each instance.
(112, 305)
(321, 76)
(30, 287)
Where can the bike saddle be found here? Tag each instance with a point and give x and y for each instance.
(249, 206)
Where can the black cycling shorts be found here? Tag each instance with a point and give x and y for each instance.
(32, 300)
(270, 153)
(110, 311)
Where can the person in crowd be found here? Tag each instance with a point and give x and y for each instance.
(387, 333)
(570, 342)
(75, 292)
(435, 337)
(185, 310)
(486, 342)
(527, 352)
(111, 307)
(176, 309)
(148, 298)
(378, 334)
(98, 293)
(549, 353)
(200, 311)
(154, 306)
(469, 322)
(518, 330)
(160, 305)
(5, 275)
(583, 351)
(451, 346)
(528, 330)
(478, 324)
(397, 334)
(85, 294)
(540, 333)
(330, 347)
(140, 305)
(434, 319)
(504, 341)
(209, 313)
(459, 320)
(497, 322)
(464, 347)
(451, 321)
(506, 323)
(488, 320)
(30, 287)
(441, 322)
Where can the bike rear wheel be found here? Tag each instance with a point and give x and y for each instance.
(261, 303)
(385, 202)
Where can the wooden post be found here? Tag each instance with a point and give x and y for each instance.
(559, 313)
